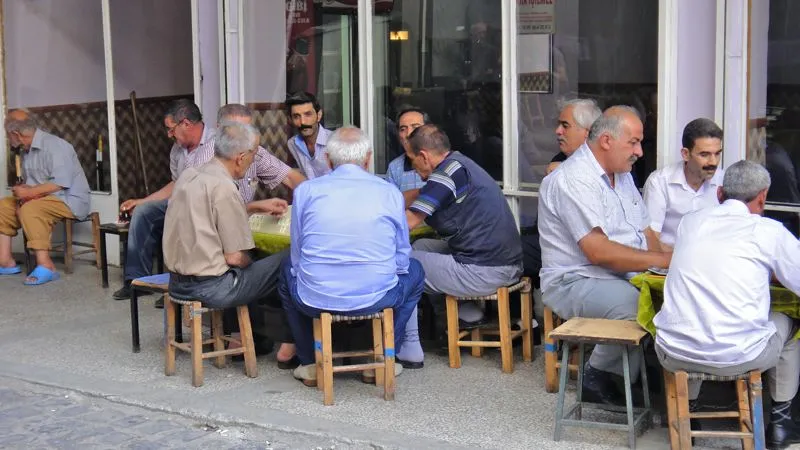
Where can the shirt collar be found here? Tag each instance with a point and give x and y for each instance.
(208, 134)
(38, 139)
(216, 167)
(349, 170)
(736, 207)
(584, 152)
(678, 176)
(322, 140)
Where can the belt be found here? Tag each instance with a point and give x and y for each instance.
(191, 278)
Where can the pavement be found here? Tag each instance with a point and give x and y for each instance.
(68, 378)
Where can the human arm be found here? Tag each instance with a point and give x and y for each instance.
(655, 199)
(601, 251)
(26, 192)
(232, 226)
(293, 179)
(409, 196)
(786, 262)
(271, 206)
(161, 194)
(439, 191)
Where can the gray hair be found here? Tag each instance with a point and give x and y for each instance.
(348, 145)
(744, 180)
(25, 127)
(584, 111)
(233, 110)
(234, 138)
(611, 122)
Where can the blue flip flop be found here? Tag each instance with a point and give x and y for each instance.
(43, 275)
(9, 270)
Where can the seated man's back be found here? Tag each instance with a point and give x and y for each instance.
(351, 239)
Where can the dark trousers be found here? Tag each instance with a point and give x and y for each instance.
(403, 298)
(144, 237)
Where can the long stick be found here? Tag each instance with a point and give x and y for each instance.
(139, 144)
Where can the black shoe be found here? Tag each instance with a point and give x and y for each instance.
(410, 364)
(599, 387)
(782, 434)
(123, 293)
(292, 363)
(159, 304)
(464, 325)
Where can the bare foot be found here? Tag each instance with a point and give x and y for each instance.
(285, 352)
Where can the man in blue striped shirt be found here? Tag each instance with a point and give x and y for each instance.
(348, 257)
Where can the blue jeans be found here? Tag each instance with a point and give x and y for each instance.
(403, 298)
(144, 235)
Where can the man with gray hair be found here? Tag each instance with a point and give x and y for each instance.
(54, 188)
(206, 231)
(350, 250)
(716, 315)
(576, 117)
(595, 235)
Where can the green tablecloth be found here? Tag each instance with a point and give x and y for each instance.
(274, 243)
(651, 297)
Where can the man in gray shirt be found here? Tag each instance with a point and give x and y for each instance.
(54, 188)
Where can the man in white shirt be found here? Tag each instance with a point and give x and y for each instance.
(716, 315)
(594, 235)
(686, 186)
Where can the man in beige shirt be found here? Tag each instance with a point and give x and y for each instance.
(206, 232)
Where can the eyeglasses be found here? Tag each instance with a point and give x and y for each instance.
(171, 131)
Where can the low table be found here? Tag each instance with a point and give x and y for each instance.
(122, 232)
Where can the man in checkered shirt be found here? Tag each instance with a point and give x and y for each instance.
(193, 147)
(400, 172)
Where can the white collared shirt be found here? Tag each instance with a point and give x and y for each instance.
(716, 297)
(577, 198)
(669, 197)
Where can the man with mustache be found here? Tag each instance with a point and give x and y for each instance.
(574, 121)
(595, 235)
(686, 186)
(308, 145)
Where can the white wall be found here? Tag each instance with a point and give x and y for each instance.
(152, 45)
(265, 50)
(208, 35)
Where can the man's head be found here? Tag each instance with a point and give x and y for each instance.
(747, 182)
(574, 121)
(428, 146)
(305, 113)
(409, 119)
(235, 112)
(616, 139)
(348, 145)
(20, 128)
(184, 122)
(702, 148)
(236, 145)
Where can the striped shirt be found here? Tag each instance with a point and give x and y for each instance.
(266, 169)
(577, 198)
(447, 184)
(401, 174)
(180, 158)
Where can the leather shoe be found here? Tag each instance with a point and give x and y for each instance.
(599, 387)
(122, 293)
(159, 304)
(410, 364)
(782, 434)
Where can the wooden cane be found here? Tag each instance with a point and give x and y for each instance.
(139, 144)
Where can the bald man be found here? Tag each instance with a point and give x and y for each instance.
(54, 188)
(595, 234)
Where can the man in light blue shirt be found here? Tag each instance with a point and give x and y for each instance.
(348, 257)
(307, 147)
(400, 172)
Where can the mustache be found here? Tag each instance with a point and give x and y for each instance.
(709, 167)
(305, 127)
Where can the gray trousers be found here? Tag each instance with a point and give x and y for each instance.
(780, 359)
(236, 287)
(444, 275)
(578, 296)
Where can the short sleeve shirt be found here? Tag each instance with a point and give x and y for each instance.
(401, 174)
(206, 218)
(447, 184)
(180, 158)
(53, 160)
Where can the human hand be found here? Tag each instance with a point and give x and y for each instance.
(128, 205)
(551, 167)
(272, 206)
(23, 192)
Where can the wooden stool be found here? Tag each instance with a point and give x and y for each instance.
(195, 345)
(69, 243)
(382, 352)
(154, 284)
(454, 334)
(750, 412)
(583, 331)
(551, 362)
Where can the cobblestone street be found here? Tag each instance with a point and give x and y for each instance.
(38, 417)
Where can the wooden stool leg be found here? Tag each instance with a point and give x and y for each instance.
(327, 360)
(526, 308)
(169, 350)
(504, 316)
(682, 400)
(475, 335)
(318, 352)
(246, 333)
(671, 394)
(757, 409)
(745, 420)
(216, 334)
(196, 320)
(377, 349)
(96, 238)
(452, 332)
(68, 250)
(388, 345)
(550, 354)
